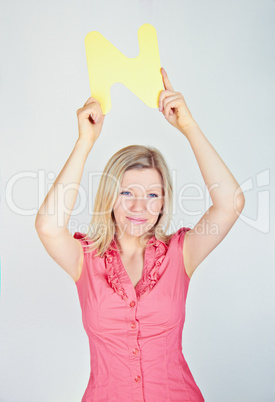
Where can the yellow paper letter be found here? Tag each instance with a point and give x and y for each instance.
(107, 65)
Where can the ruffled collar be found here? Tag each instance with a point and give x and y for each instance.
(118, 277)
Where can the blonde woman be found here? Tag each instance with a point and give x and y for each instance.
(132, 277)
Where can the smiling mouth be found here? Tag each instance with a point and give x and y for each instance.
(136, 221)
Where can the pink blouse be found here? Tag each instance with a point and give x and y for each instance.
(135, 333)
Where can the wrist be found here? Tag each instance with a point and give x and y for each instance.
(188, 128)
(85, 145)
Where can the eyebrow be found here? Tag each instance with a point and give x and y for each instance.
(149, 189)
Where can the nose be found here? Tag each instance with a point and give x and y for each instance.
(138, 204)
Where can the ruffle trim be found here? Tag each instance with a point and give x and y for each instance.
(117, 275)
(113, 279)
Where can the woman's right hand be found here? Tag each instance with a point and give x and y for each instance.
(90, 120)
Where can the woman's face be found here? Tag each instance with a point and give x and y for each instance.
(139, 202)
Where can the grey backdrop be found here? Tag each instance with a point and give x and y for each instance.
(220, 56)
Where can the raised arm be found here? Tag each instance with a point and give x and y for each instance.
(53, 216)
(225, 192)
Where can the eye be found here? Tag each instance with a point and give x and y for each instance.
(151, 195)
(123, 192)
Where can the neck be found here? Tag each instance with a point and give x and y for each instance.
(130, 245)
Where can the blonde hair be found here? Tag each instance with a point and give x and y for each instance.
(102, 226)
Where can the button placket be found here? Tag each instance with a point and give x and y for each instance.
(133, 325)
(137, 378)
(134, 349)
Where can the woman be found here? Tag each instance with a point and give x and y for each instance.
(132, 278)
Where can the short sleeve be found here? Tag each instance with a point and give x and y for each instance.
(179, 236)
(85, 243)
(178, 239)
(80, 236)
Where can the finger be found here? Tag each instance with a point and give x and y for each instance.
(92, 109)
(99, 117)
(163, 95)
(167, 83)
(91, 100)
(167, 101)
(93, 116)
(174, 103)
(89, 111)
(97, 114)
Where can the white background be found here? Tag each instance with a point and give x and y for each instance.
(220, 55)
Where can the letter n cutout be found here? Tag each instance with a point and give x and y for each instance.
(107, 65)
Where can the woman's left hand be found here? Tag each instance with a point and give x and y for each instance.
(173, 106)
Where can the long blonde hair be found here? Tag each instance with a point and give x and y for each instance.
(102, 226)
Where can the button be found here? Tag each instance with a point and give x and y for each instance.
(132, 304)
(135, 351)
(137, 378)
(133, 325)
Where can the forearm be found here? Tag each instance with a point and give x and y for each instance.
(55, 211)
(224, 190)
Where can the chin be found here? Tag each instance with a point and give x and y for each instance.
(138, 230)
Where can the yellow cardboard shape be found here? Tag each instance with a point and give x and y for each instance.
(107, 65)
